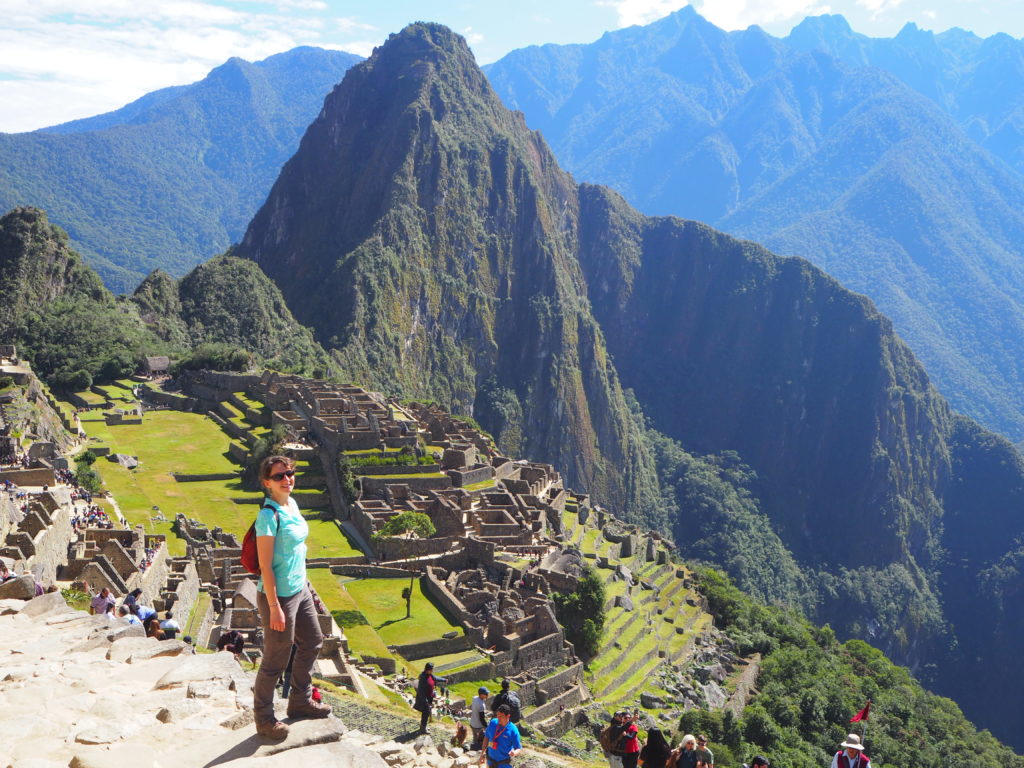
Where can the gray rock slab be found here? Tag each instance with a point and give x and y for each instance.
(129, 648)
(179, 710)
(198, 668)
(715, 696)
(104, 634)
(44, 604)
(338, 755)
(10, 605)
(19, 588)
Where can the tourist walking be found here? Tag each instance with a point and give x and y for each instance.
(502, 740)
(478, 716)
(686, 755)
(705, 757)
(285, 604)
(656, 752)
(425, 694)
(852, 755)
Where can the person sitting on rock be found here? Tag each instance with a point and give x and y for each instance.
(153, 628)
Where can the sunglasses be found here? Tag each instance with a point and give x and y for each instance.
(277, 477)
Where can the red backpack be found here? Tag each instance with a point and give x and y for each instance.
(250, 557)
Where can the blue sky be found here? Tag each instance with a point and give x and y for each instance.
(64, 59)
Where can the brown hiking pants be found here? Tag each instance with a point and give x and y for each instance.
(300, 627)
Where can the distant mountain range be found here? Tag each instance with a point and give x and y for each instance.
(767, 416)
(171, 179)
(893, 164)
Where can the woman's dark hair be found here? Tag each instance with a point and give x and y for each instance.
(270, 461)
(657, 748)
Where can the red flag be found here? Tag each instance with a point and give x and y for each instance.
(863, 714)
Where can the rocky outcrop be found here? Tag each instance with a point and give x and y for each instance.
(80, 691)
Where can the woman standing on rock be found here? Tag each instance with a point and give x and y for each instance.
(285, 603)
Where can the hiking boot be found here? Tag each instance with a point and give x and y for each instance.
(274, 729)
(310, 709)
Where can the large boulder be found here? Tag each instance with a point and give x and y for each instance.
(19, 588)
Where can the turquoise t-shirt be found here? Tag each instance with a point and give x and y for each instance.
(289, 545)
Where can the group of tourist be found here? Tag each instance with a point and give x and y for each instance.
(496, 738)
(131, 611)
(147, 559)
(621, 744)
(93, 516)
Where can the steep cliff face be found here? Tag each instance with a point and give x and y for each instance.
(730, 347)
(429, 239)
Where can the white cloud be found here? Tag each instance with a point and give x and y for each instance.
(359, 47)
(65, 59)
(632, 12)
(472, 37)
(740, 14)
(350, 24)
(878, 7)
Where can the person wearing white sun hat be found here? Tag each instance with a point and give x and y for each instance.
(852, 755)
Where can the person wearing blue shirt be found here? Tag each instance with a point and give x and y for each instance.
(285, 602)
(501, 739)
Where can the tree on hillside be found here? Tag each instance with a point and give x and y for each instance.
(581, 613)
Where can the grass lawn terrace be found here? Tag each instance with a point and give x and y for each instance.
(380, 600)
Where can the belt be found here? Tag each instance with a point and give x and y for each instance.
(491, 762)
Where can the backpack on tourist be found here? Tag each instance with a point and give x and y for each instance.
(511, 698)
(606, 739)
(250, 557)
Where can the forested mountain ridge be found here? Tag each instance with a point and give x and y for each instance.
(436, 248)
(74, 331)
(828, 158)
(967, 76)
(172, 178)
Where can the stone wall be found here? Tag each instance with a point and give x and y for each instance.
(398, 548)
(553, 685)
(434, 588)
(29, 476)
(51, 546)
(548, 651)
(440, 647)
(375, 485)
(174, 401)
(387, 664)
(463, 477)
(155, 577)
(396, 469)
(182, 588)
(183, 478)
(571, 698)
